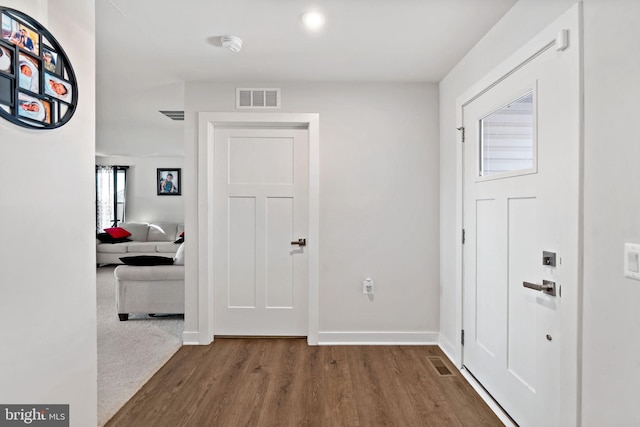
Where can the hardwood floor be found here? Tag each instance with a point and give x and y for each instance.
(285, 382)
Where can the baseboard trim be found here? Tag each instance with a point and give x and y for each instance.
(377, 338)
(191, 338)
(450, 351)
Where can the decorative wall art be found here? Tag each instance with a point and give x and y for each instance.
(38, 87)
(168, 182)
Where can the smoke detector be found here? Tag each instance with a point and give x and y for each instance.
(233, 43)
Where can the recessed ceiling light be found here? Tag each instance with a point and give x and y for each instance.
(313, 20)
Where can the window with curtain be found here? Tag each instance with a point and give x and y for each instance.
(111, 185)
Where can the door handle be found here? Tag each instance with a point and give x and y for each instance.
(300, 242)
(548, 287)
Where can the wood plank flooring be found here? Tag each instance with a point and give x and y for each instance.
(285, 382)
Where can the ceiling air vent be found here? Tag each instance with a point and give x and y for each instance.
(257, 98)
(174, 115)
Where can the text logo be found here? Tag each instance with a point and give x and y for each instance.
(34, 415)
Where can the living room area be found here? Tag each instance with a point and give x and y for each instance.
(140, 307)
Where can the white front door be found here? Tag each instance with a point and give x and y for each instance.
(521, 198)
(260, 210)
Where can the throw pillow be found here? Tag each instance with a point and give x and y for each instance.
(180, 240)
(117, 232)
(179, 259)
(147, 260)
(106, 238)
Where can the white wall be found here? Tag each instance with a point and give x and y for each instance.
(611, 347)
(144, 131)
(47, 286)
(378, 199)
(519, 25)
(143, 202)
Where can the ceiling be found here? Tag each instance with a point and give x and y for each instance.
(147, 49)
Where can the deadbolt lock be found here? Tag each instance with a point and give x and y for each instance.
(548, 259)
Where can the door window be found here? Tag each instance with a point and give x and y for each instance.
(507, 139)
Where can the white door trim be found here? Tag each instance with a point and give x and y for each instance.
(200, 266)
(572, 366)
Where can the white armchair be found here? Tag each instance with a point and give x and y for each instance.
(149, 289)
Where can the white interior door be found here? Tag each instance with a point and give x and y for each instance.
(260, 209)
(520, 198)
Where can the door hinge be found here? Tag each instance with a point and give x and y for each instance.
(463, 236)
(461, 128)
(462, 337)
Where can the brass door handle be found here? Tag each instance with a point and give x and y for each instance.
(300, 242)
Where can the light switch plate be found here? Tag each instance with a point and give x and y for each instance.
(632, 260)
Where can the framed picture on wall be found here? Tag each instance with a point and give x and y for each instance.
(52, 61)
(32, 108)
(21, 35)
(6, 59)
(58, 88)
(38, 87)
(168, 182)
(29, 69)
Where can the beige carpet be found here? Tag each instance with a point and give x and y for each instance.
(130, 352)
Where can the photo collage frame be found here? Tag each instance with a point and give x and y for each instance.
(38, 87)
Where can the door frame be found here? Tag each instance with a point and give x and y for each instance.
(570, 393)
(200, 267)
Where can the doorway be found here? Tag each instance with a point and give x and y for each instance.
(201, 269)
(522, 228)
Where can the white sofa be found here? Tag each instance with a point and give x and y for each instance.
(149, 289)
(146, 239)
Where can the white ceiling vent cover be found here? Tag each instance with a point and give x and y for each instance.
(258, 98)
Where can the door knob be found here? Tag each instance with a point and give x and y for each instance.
(300, 242)
(548, 287)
